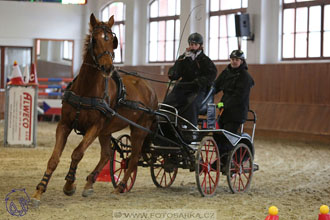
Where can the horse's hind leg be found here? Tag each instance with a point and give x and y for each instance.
(105, 143)
(78, 153)
(62, 133)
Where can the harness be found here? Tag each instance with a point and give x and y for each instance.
(106, 30)
(100, 104)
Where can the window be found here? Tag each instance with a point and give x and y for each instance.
(306, 29)
(118, 10)
(67, 50)
(80, 2)
(222, 33)
(164, 30)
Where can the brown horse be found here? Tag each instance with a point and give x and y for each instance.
(95, 84)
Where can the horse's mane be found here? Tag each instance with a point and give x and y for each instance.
(87, 40)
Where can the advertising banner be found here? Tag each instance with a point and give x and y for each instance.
(20, 115)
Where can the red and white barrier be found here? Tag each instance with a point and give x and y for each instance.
(20, 111)
(50, 94)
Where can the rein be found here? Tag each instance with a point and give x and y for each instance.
(139, 76)
(153, 80)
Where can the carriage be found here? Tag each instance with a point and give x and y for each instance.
(176, 143)
(98, 103)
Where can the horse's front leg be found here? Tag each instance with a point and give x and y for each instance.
(69, 187)
(105, 143)
(62, 133)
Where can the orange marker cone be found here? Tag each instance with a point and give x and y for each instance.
(104, 175)
(273, 211)
(324, 213)
(33, 75)
(16, 76)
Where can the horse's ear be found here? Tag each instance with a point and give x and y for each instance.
(111, 21)
(93, 20)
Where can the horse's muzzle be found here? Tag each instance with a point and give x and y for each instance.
(107, 69)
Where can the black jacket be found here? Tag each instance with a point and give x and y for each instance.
(236, 85)
(201, 72)
(196, 78)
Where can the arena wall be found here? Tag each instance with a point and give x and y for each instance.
(291, 100)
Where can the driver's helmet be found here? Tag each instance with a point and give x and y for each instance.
(237, 54)
(195, 38)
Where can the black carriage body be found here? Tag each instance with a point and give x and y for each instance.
(176, 143)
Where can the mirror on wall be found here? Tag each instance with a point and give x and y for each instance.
(54, 58)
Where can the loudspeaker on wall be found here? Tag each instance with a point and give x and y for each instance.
(242, 25)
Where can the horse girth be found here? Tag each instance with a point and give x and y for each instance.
(80, 102)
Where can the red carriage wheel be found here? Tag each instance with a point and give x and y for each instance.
(163, 173)
(207, 168)
(239, 168)
(119, 163)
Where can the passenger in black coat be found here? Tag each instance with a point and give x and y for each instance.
(235, 82)
(197, 72)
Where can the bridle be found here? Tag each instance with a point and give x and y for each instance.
(107, 31)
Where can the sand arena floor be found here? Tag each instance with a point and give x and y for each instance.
(293, 176)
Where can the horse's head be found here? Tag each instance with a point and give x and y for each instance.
(102, 43)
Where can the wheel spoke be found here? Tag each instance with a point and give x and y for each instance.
(211, 178)
(159, 172)
(161, 179)
(242, 156)
(115, 171)
(210, 187)
(240, 178)
(170, 175)
(120, 172)
(165, 178)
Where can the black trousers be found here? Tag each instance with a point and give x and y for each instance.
(223, 144)
(188, 103)
(230, 126)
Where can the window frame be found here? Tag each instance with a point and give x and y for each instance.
(219, 13)
(166, 18)
(295, 5)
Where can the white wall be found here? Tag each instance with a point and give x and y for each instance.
(22, 22)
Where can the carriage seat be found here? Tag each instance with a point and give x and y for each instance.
(207, 112)
(209, 98)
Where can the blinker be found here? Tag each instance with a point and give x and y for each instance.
(106, 38)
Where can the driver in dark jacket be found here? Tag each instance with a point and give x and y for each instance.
(197, 72)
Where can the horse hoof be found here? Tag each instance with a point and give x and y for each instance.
(118, 191)
(35, 202)
(87, 192)
(69, 192)
(115, 192)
